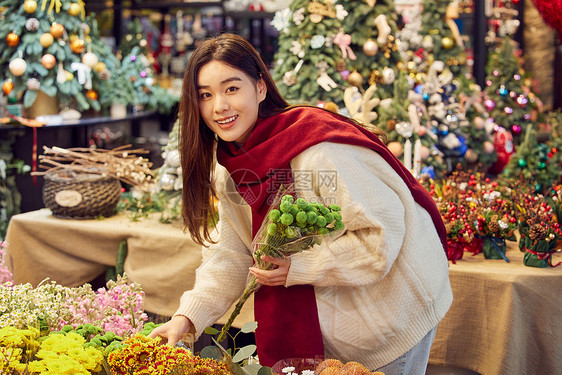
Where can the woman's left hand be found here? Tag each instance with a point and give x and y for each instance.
(277, 276)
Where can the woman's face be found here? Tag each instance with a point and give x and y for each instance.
(229, 100)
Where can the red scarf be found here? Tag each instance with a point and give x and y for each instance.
(288, 325)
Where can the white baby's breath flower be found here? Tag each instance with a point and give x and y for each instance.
(502, 224)
(287, 369)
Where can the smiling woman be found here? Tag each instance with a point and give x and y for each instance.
(229, 100)
(373, 295)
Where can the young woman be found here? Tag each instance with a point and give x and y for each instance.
(374, 295)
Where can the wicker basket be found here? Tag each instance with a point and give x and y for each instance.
(72, 195)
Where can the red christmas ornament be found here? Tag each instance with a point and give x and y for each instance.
(551, 12)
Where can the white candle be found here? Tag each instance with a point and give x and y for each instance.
(408, 154)
(417, 158)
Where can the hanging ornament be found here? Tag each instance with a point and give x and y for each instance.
(46, 40)
(340, 66)
(383, 28)
(29, 6)
(99, 67)
(7, 87)
(370, 47)
(57, 30)
(542, 165)
(106, 75)
(447, 42)
(516, 129)
(32, 24)
(61, 74)
(522, 163)
(48, 61)
(471, 156)
(502, 91)
(371, 2)
(355, 79)
(427, 42)
(33, 84)
(404, 128)
(318, 11)
(388, 76)
(345, 74)
(12, 39)
(69, 76)
(91, 94)
(343, 41)
(17, 66)
(77, 45)
(90, 59)
(317, 41)
(74, 9)
(395, 148)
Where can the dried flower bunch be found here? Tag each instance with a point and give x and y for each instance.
(121, 163)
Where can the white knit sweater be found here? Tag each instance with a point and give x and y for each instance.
(380, 287)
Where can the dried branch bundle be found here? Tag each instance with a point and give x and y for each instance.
(121, 163)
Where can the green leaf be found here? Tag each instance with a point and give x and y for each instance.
(49, 90)
(244, 353)
(211, 331)
(252, 369)
(249, 327)
(211, 352)
(29, 98)
(265, 371)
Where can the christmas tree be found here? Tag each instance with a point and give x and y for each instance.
(46, 51)
(311, 43)
(441, 37)
(532, 163)
(372, 27)
(508, 96)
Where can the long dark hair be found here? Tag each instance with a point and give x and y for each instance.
(197, 140)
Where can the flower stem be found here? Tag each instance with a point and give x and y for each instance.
(253, 285)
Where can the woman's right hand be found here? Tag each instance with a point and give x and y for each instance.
(173, 330)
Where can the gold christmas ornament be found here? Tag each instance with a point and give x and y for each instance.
(143, 43)
(332, 107)
(400, 65)
(370, 47)
(420, 77)
(391, 124)
(99, 67)
(29, 6)
(375, 77)
(12, 39)
(411, 66)
(7, 87)
(91, 94)
(395, 148)
(90, 59)
(72, 38)
(48, 61)
(69, 76)
(447, 42)
(46, 40)
(355, 79)
(77, 45)
(74, 9)
(17, 66)
(57, 30)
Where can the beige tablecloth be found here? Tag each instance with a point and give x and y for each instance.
(160, 257)
(506, 318)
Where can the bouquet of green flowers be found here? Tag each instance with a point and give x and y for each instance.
(291, 226)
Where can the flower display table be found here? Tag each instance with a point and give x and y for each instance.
(160, 257)
(505, 317)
